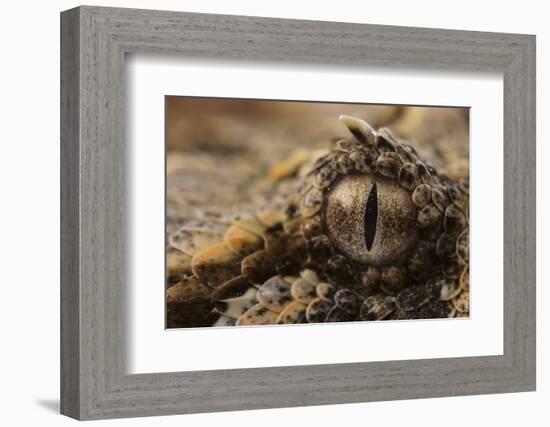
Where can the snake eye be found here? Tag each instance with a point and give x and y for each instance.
(370, 219)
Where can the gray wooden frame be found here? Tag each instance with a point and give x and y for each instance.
(94, 41)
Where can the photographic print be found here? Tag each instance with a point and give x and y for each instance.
(293, 212)
(286, 220)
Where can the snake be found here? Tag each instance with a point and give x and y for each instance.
(365, 229)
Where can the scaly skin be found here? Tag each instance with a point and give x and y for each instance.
(366, 231)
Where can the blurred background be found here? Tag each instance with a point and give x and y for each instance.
(220, 151)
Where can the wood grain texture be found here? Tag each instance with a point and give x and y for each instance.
(70, 334)
(94, 267)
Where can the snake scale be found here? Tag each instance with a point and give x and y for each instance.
(363, 230)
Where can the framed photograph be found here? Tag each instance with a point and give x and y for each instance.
(277, 213)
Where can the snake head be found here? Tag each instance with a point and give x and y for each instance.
(386, 218)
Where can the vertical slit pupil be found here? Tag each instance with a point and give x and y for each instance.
(371, 216)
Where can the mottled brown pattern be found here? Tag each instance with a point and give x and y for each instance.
(405, 239)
